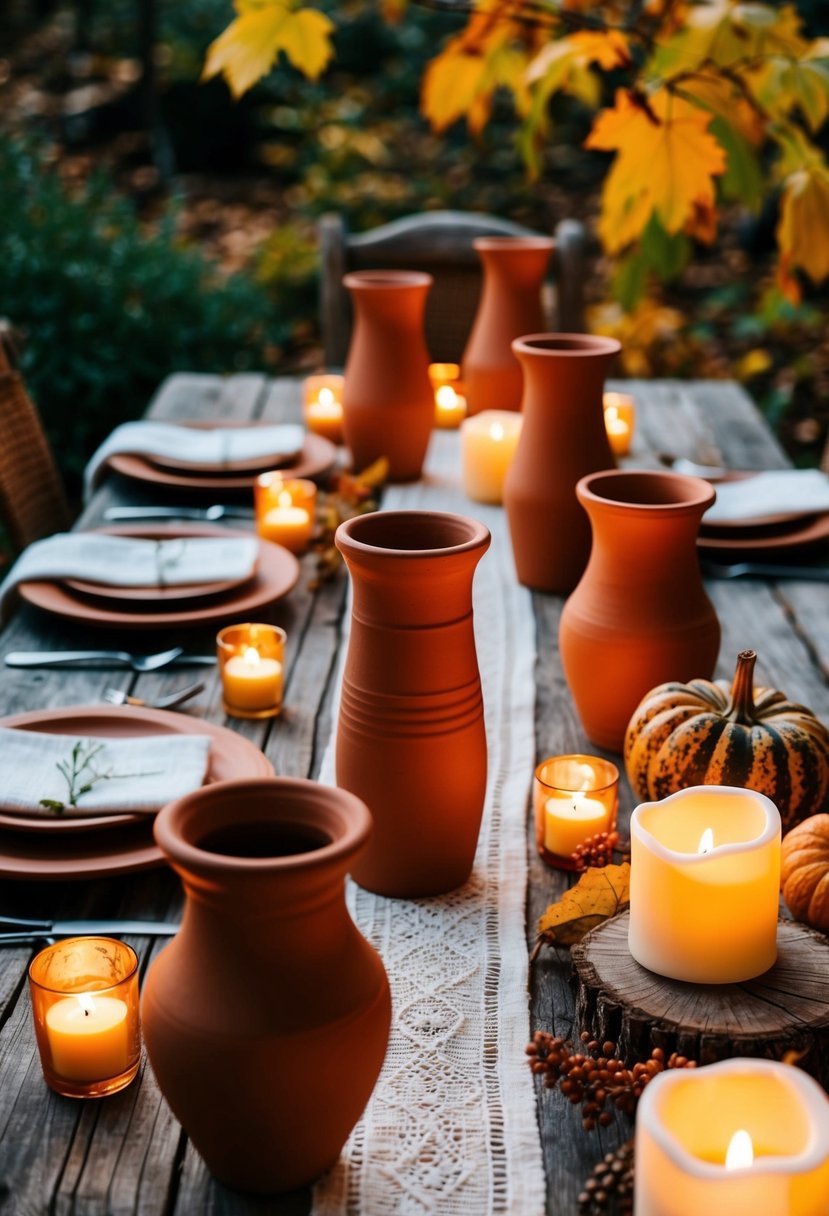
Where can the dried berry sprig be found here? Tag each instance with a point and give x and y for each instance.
(611, 1179)
(595, 1078)
(600, 850)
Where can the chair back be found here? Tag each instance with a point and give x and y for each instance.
(32, 501)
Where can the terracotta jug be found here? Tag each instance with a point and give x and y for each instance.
(510, 305)
(410, 740)
(267, 976)
(388, 402)
(563, 437)
(640, 615)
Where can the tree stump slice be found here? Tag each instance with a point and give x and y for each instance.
(785, 1010)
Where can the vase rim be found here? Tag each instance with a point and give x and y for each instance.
(555, 345)
(488, 244)
(660, 490)
(463, 534)
(374, 280)
(324, 809)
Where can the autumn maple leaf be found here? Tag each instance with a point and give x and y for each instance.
(247, 49)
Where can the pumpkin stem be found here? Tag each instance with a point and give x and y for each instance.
(741, 706)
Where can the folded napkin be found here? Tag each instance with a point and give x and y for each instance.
(209, 448)
(778, 492)
(124, 774)
(120, 561)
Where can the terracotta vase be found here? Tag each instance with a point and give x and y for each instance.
(267, 976)
(640, 615)
(563, 437)
(510, 305)
(388, 402)
(410, 740)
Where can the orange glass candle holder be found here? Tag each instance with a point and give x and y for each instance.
(85, 1005)
(574, 797)
(251, 666)
(323, 406)
(441, 374)
(450, 406)
(285, 510)
(619, 420)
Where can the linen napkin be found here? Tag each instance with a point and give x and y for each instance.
(777, 492)
(121, 561)
(117, 775)
(209, 448)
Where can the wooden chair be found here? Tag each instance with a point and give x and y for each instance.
(439, 242)
(32, 501)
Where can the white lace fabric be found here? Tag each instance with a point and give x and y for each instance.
(451, 1129)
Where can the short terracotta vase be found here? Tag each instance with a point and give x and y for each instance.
(410, 739)
(510, 305)
(267, 976)
(563, 438)
(388, 401)
(640, 615)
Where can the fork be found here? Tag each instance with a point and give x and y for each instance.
(138, 662)
(114, 696)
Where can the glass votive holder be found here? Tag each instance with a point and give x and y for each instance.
(323, 406)
(574, 797)
(251, 667)
(619, 420)
(85, 1005)
(285, 510)
(450, 406)
(441, 374)
(488, 443)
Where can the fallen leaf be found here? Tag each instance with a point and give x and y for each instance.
(599, 894)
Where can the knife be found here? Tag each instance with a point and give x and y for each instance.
(55, 658)
(20, 930)
(209, 514)
(815, 574)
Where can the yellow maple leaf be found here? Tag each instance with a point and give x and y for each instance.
(599, 894)
(451, 85)
(803, 230)
(609, 49)
(247, 49)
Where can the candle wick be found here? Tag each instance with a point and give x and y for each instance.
(86, 1013)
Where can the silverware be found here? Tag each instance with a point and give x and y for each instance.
(210, 514)
(21, 930)
(121, 658)
(816, 574)
(114, 696)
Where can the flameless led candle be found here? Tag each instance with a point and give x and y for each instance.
(488, 443)
(85, 1005)
(739, 1138)
(574, 797)
(450, 407)
(251, 666)
(705, 876)
(619, 419)
(323, 408)
(285, 510)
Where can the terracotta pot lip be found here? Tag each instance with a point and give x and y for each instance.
(174, 825)
(348, 533)
(568, 346)
(487, 244)
(682, 492)
(374, 280)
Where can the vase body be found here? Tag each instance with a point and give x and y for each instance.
(510, 305)
(640, 615)
(268, 971)
(563, 438)
(411, 741)
(388, 402)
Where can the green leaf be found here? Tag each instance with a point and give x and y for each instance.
(667, 254)
(630, 279)
(742, 179)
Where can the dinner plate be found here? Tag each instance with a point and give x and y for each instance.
(154, 595)
(753, 522)
(795, 534)
(41, 848)
(254, 464)
(276, 573)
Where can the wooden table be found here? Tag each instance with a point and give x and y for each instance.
(127, 1154)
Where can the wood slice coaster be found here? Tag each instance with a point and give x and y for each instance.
(787, 1009)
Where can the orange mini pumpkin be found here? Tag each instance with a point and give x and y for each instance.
(804, 876)
(705, 733)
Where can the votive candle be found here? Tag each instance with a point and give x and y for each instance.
(251, 667)
(619, 419)
(450, 407)
(574, 797)
(323, 406)
(285, 510)
(488, 443)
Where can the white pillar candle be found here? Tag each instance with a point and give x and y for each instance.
(774, 1119)
(488, 443)
(705, 877)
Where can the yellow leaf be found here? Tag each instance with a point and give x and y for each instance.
(608, 49)
(450, 85)
(754, 363)
(598, 895)
(247, 49)
(803, 230)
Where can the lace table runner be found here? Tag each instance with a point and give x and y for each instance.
(451, 1126)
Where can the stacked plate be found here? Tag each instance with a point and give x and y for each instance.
(762, 535)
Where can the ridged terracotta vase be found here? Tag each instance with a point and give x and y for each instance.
(410, 740)
(640, 615)
(510, 305)
(388, 401)
(563, 438)
(266, 1018)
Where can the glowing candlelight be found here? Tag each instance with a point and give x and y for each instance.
(323, 408)
(619, 418)
(574, 797)
(251, 666)
(488, 443)
(450, 407)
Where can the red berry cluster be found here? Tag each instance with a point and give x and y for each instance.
(598, 850)
(611, 1179)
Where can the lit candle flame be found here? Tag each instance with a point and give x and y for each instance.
(611, 413)
(706, 841)
(325, 396)
(86, 1003)
(446, 397)
(251, 657)
(284, 499)
(496, 431)
(740, 1151)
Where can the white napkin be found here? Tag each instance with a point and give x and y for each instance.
(143, 773)
(777, 492)
(120, 561)
(210, 448)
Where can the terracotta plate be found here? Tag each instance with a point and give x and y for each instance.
(153, 595)
(780, 518)
(797, 533)
(316, 458)
(277, 571)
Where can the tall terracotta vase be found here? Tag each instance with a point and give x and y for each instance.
(411, 740)
(510, 305)
(267, 978)
(563, 438)
(640, 615)
(388, 402)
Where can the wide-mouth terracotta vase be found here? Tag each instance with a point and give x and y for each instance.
(563, 438)
(640, 615)
(388, 401)
(510, 305)
(411, 740)
(266, 978)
